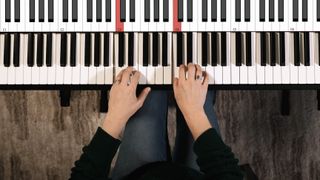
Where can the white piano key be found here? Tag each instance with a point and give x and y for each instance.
(152, 24)
(84, 70)
(62, 25)
(277, 73)
(11, 68)
(259, 25)
(302, 68)
(27, 71)
(267, 25)
(291, 24)
(235, 70)
(260, 69)
(311, 17)
(268, 67)
(100, 69)
(70, 25)
(159, 68)
(45, 24)
(316, 59)
(294, 72)
(275, 24)
(218, 24)
(12, 26)
(174, 56)
(94, 23)
(92, 69)
(59, 68)
(67, 79)
(300, 24)
(116, 54)
(209, 68)
(243, 68)
(43, 71)
(160, 24)
(127, 25)
(3, 69)
(35, 70)
(55, 63)
(226, 70)
(23, 16)
(167, 70)
(284, 26)
(81, 18)
(251, 25)
(151, 74)
(19, 69)
(136, 50)
(201, 24)
(76, 70)
(108, 71)
(243, 24)
(218, 73)
(311, 69)
(185, 23)
(252, 70)
(139, 18)
(86, 26)
(193, 26)
(141, 68)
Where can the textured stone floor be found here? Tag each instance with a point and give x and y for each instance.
(41, 140)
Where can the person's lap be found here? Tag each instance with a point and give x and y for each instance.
(145, 136)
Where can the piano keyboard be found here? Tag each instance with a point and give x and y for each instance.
(159, 15)
(230, 58)
(88, 42)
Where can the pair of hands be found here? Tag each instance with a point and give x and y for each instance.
(190, 91)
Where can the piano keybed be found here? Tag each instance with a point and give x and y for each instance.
(238, 42)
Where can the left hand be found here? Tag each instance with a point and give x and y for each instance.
(123, 102)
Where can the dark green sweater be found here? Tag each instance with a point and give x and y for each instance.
(215, 159)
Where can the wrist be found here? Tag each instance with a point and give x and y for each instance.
(113, 126)
(193, 113)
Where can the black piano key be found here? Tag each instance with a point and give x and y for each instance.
(305, 10)
(8, 10)
(155, 49)
(7, 46)
(204, 52)
(281, 10)
(123, 10)
(306, 49)
(223, 10)
(89, 10)
(214, 49)
(239, 49)
(271, 10)
(263, 46)
(165, 10)
(73, 52)
(131, 49)
(147, 10)
(30, 60)
(262, 10)
(189, 10)
(121, 50)
(248, 49)
(96, 49)
(74, 10)
(213, 10)
(17, 10)
(145, 49)
(99, 11)
(295, 10)
(189, 47)
(40, 50)
(31, 10)
(156, 10)
(106, 50)
(65, 11)
(296, 49)
(282, 49)
(63, 50)
(165, 49)
(50, 11)
(223, 49)
(41, 10)
(132, 10)
(247, 10)
(272, 49)
(180, 10)
(238, 11)
(16, 50)
(204, 10)
(179, 49)
(87, 60)
(318, 10)
(49, 50)
(108, 10)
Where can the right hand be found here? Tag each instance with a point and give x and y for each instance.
(190, 89)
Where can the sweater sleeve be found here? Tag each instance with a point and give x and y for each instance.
(215, 158)
(95, 161)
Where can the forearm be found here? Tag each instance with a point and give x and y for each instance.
(197, 122)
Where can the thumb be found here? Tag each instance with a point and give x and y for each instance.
(143, 95)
